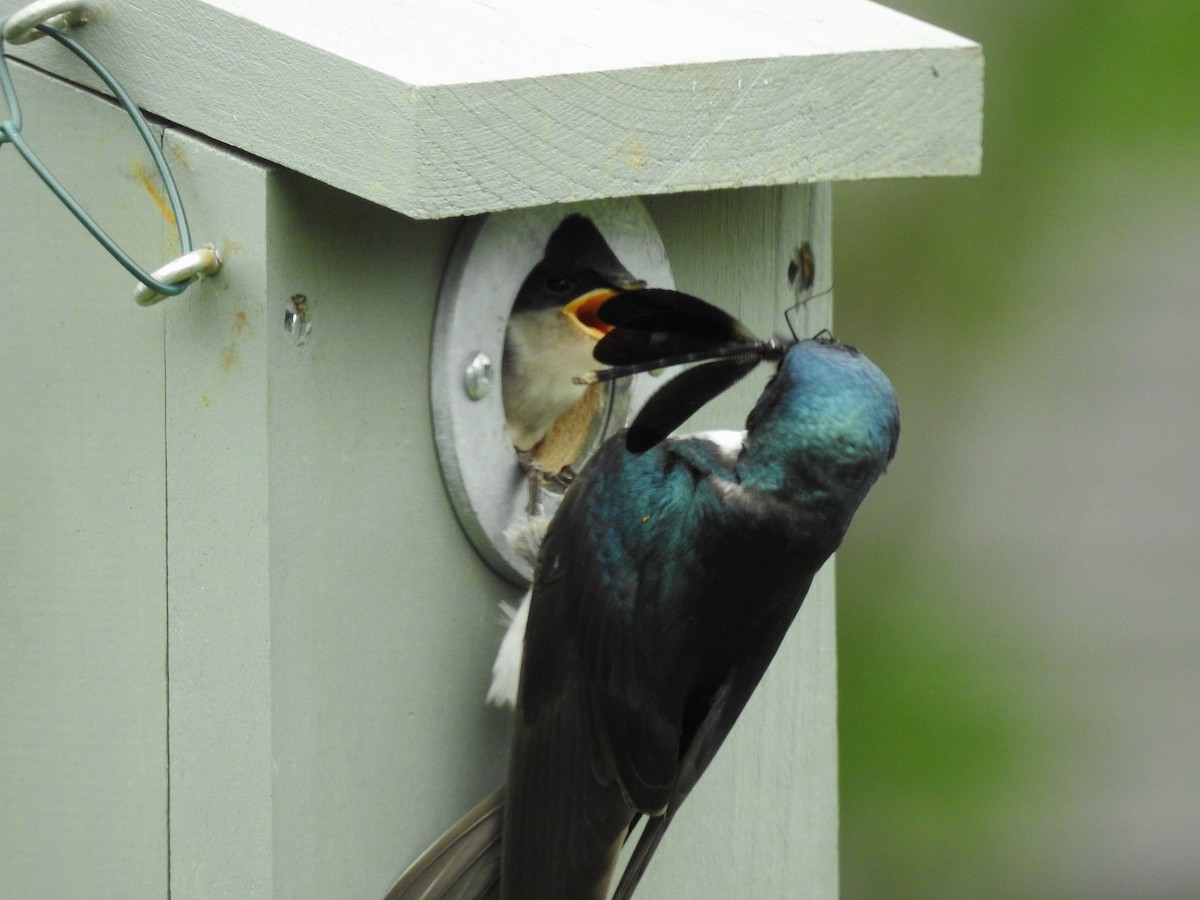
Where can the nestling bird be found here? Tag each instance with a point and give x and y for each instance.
(665, 584)
(554, 326)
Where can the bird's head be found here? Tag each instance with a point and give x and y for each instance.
(576, 276)
(827, 396)
(553, 329)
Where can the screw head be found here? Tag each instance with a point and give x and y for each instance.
(295, 319)
(478, 375)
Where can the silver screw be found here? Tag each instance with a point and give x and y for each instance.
(478, 375)
(295, 319)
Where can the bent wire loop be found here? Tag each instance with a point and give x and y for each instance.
(40, 19)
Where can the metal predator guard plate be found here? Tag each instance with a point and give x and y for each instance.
(490, 260)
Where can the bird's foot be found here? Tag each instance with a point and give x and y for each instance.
(562, 478)
(537, 478)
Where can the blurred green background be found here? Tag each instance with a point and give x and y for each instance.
(1019, 628)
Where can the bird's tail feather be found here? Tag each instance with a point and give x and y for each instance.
(463, 864)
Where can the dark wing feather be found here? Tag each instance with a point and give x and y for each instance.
(724, 708)
(599, 723)
(463, 864)
(660, 309)
(574, 784)
(566, 818)
(653, 323)
(586, 621)
(630, 346)
(676, 400)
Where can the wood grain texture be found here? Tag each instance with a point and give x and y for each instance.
(438, 109)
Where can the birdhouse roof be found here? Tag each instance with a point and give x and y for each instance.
(441, 108)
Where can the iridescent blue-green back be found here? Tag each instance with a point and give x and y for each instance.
(665, 584)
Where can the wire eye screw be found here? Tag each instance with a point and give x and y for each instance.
(22, 27)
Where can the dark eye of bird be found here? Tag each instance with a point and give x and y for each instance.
(558, 284)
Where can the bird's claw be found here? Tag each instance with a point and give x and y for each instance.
(563, 477)
(537, 477)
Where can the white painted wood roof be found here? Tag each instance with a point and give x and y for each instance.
(439, 108)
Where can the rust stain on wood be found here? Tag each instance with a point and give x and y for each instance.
(229, 353)
(147, 181)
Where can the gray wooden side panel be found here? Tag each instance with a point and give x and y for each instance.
(83, 793)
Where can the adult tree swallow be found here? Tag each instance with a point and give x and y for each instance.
(665, 584)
